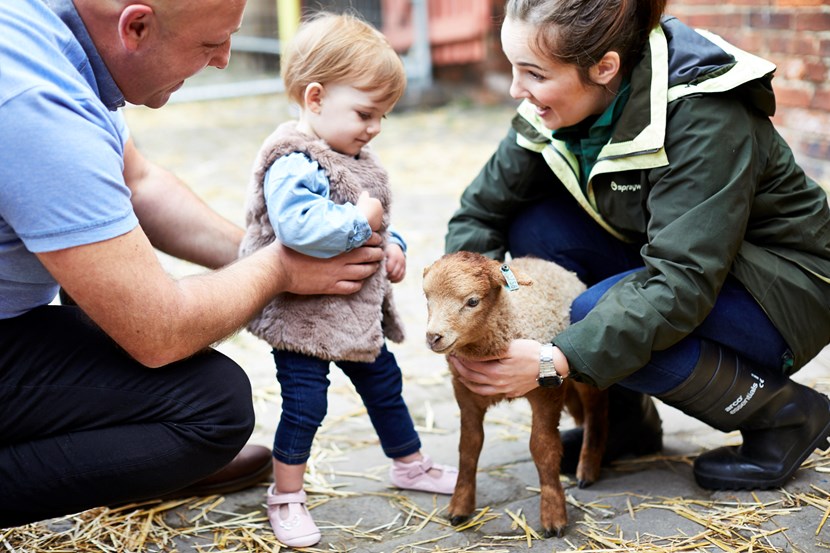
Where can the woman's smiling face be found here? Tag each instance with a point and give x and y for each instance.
(561, 98)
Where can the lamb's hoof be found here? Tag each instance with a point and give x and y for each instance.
(551, 532)
(582, 484)
(457, 520)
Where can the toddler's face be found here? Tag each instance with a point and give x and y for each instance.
(349, 118)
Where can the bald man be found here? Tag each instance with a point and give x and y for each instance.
(120, 398)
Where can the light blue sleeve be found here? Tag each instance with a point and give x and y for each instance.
(396, 238)
(62, 171)
(303, 216)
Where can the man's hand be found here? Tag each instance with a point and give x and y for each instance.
(342, 274)
(157, 319)
(122, 286)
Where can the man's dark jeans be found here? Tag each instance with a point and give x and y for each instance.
(83, 425)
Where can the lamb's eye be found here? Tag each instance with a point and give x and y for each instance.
(472, 302)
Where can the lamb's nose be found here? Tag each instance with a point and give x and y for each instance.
(433, 338)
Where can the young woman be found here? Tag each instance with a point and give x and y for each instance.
(643, 158)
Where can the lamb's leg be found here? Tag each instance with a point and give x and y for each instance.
(470, 442)
(573, 403)
(595, 433)
(546, 449)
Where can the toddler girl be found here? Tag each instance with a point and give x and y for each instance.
(319, 189)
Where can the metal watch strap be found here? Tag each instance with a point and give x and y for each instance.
(548, 377)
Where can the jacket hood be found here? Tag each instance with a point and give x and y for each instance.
(696, 56)
(691, 56)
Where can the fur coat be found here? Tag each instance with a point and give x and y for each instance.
(332, 327)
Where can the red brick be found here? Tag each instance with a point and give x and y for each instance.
(792, 69)
(778, 43)
(780, 61)
(806, 70)
(787, 95)
(715, 21)
(797, 44)
(798, 3)
(805, 44)
(821, 100)
(795, 35)
(815, 71)
(811, 20)
(768, 19)
(750, 42)
(694, 3)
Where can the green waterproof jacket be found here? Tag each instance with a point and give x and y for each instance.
(696, 174)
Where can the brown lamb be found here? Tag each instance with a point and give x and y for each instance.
(473, 314)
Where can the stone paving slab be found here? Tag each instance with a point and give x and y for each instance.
(431, 156)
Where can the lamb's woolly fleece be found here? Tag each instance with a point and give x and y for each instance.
(538, 310)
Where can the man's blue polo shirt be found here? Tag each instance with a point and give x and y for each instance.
(61, 159)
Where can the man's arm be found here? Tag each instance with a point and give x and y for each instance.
(175, 220)
(157, 319)
(122, 286)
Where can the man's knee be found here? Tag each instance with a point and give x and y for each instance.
(228, 408)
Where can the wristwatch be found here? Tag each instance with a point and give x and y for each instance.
(548, 377)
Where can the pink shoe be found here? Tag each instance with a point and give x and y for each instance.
(416, 476)
(298, 528)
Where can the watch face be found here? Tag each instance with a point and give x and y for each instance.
(550, 381)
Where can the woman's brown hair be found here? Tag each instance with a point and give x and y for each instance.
(580, 32)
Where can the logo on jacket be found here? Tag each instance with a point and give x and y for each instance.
(625, 187)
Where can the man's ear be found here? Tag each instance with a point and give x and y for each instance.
(313, 97)
(604, 71)
(134, 25)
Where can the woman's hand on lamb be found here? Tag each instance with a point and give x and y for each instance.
(513, 375)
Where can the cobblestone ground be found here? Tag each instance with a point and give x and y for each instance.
(431, 156)
(649, 505)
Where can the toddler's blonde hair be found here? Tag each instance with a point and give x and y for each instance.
(343, 49)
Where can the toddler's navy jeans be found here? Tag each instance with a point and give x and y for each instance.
(304, 387)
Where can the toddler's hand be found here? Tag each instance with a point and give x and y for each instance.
(372, 209)
(395, 263)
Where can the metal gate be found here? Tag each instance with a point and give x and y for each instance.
(424, 32)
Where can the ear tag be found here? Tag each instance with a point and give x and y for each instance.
(512, 283)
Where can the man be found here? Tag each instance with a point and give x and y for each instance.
(120, 398)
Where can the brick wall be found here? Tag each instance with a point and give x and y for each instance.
(795, 35)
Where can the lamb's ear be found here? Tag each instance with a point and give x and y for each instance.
(504, 275)
(522, 279)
